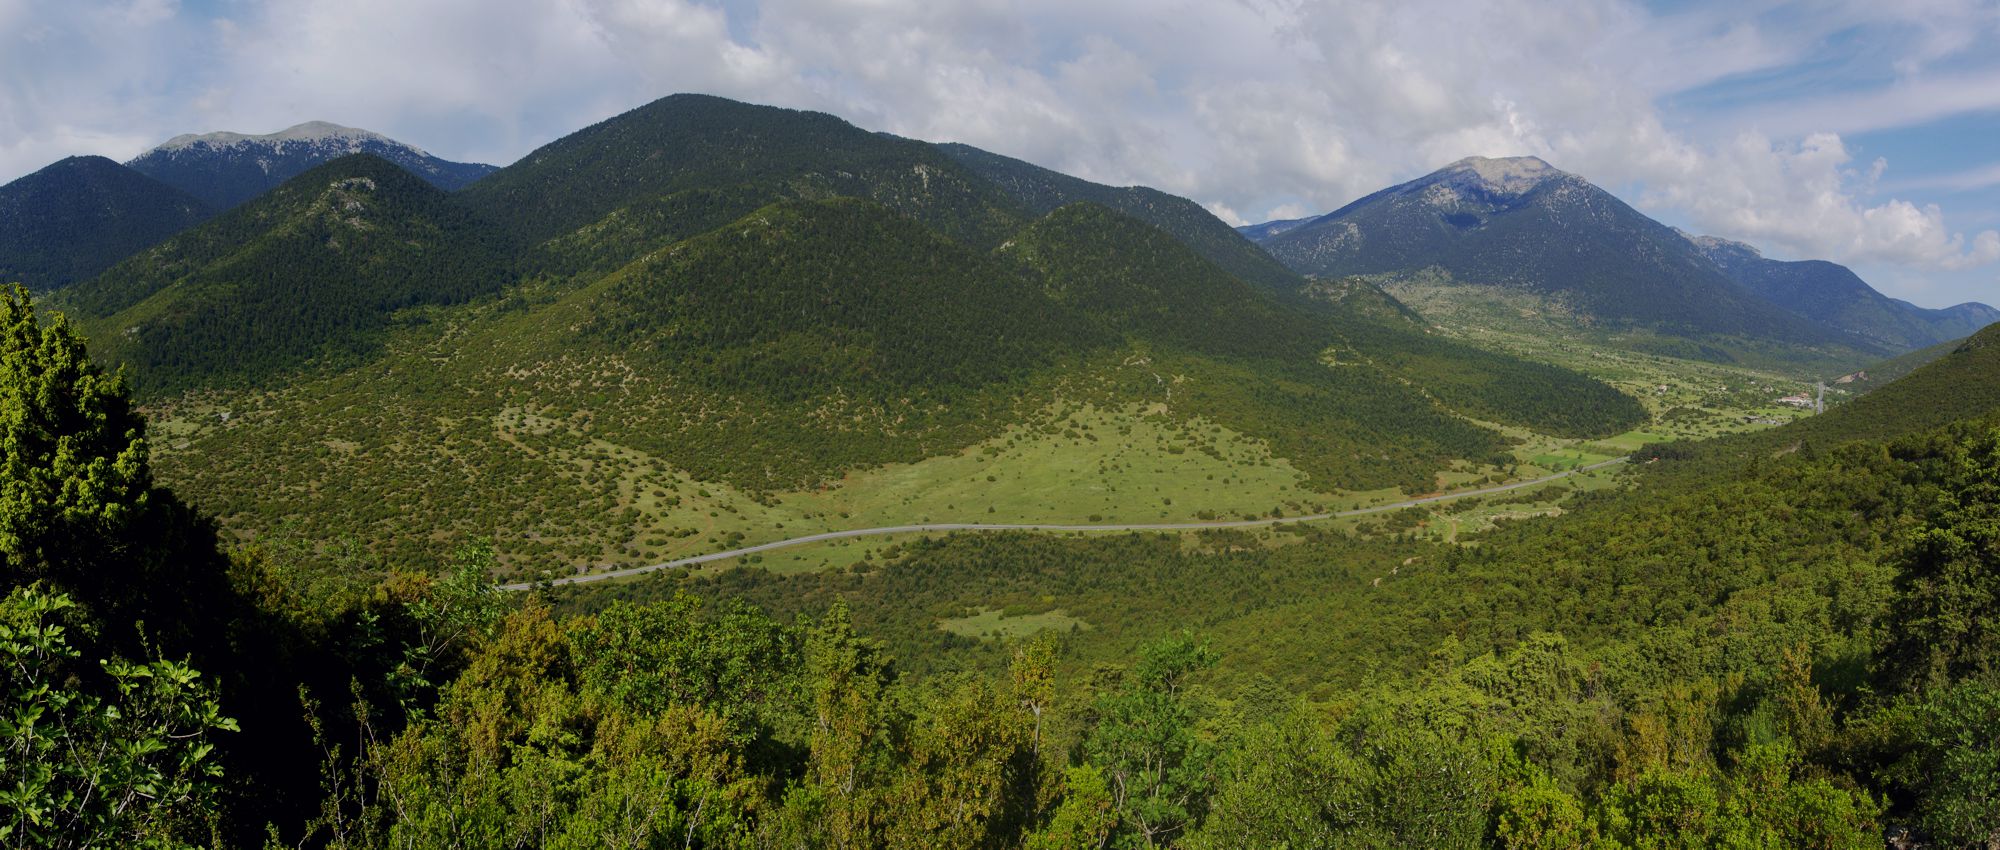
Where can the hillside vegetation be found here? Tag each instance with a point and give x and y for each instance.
(685, 142)
(797, 347)
(314, 270)
(74, 219)
(1041, 191)
(1793, 654)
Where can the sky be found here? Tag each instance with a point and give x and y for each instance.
(1860, 131)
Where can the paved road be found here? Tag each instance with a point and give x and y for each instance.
(988, 526)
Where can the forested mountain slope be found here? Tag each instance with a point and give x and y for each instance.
(702, 312)
(684, 142)
(1041, 191)
(75, 218)
(313, 269)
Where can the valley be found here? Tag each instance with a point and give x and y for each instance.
(732, 476)
(1079, 458)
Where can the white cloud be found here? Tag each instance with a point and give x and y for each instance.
(1798, 198)
(1968, 180)
(1912, 100)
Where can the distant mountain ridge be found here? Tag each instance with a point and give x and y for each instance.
(74, 219)
(1834, 295)
(311, 269)
(1042, 191)
(1523, 223)
(1265, 230)
(225, 169)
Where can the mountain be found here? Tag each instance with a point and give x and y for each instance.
(1041, 191)
(226, 169)
(770, 306)
(314, 268)
(841, 304)
(1266, 230)
(1522, 223)
(73, 219)
(757, 154)
(1833, 295)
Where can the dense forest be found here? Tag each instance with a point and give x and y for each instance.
(70, 221)
(312, 271)
(1791, 650)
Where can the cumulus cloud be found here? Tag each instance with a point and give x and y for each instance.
(1257, 108)
(1800, 198)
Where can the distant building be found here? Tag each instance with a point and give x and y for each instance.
(1800, 400)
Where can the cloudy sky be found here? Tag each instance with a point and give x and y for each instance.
(1862, 131)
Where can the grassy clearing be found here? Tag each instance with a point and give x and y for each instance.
(998, 624)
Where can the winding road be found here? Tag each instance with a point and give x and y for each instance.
(988, 526)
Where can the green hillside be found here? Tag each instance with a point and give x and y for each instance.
(818, 365)
(314, 270)
(685, 142)
(1146, 284)
(804, 299)
(1041, 191)
(75, 218)
(1883, 373)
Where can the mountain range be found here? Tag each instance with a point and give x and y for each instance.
(1524, 224)
(225, 169)
(768, 300)
(76, 218)
(1833, 295)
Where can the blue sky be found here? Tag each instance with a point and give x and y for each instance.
(1861, 132)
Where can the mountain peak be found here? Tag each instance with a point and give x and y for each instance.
(310, 131)
(1511, 175)
(225, 169)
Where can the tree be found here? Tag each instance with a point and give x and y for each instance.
(1085, 817)
(1942, 626)
(1144, 742)
(121, 756)
(846, 676)
(1950, 762)
(77, 504)
(73, 459)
